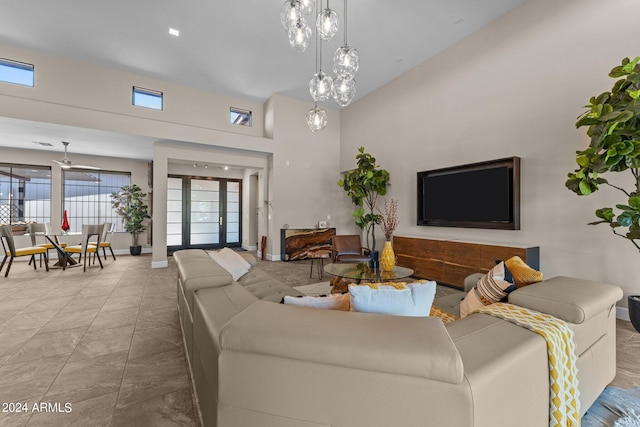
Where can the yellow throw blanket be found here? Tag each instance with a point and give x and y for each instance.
(564, 403)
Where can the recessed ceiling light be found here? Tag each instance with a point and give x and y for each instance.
(174, 32)
(226, 168)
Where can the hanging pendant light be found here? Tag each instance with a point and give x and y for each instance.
(290, 13)
(316, 119)
(327, 23)
(344, 90)
(320, 86)
(346, 60)
(299, 36)
(307, 6)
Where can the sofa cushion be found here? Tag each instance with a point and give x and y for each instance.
(199, 273)
(233, 262)
(330, 302)
(265, 287)
(396, 298)
(570, 299)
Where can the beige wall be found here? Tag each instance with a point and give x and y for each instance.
(80, 94)
(513, 88)
(304, 172)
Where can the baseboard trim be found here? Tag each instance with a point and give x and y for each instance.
(126, 251)
(622, 313)
(159, 264)
(249, 248)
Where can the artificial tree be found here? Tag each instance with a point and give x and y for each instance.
(363, 185)
(130, 204)
(614, 127)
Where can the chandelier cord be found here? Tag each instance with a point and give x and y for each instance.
(318, 69)
(345, 22)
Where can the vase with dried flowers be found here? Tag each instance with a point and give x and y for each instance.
(389, 222)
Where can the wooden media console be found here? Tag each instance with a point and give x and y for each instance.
(450, 261)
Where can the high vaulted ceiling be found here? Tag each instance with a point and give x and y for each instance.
(238, 48)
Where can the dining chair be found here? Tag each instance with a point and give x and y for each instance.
(86, 248)
(105, 240)
(11, 252)
(41, 229)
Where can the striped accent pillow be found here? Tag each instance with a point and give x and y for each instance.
(491, 288)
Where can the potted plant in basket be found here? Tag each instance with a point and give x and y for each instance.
(613, 119)
(130, 204)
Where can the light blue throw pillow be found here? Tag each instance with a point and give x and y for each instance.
(415, 299)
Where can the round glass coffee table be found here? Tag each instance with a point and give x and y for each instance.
(361, 271)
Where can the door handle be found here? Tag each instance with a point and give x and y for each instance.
(220, 220)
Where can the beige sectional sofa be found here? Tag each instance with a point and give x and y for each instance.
(257, 363)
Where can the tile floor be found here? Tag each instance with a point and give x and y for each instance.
(108, 343)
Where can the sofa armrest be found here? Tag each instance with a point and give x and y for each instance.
(413, 346)
(567, 298)
(471, 280)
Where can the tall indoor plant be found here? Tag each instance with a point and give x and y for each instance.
(613, 119)
(363, 185)
(130, 204)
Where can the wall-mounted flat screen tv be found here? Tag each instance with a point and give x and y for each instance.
(477, 195)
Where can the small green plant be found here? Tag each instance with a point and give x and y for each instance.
(130, 204)
(363, 186)
(614, 127)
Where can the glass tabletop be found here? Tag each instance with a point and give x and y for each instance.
(361, 271)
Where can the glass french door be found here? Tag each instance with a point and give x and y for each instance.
(203, 212)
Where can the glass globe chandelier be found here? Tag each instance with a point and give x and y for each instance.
(346, 59)
(343, 91)
(299, 36)
(316, 119)
(327, 23)
(290, 14)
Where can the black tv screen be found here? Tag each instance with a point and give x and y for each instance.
(478, 195)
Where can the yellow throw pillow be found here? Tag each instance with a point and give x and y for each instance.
(522, 274)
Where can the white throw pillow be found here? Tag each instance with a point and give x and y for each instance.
(330, 302)
(231, 261)
(414, 299)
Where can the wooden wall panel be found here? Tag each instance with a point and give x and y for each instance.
(451, 261)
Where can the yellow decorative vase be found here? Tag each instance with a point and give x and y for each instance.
(387, 257)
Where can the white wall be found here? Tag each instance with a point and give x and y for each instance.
(513, 88)
(304, 173)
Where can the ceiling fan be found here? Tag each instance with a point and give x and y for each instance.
(65, 163)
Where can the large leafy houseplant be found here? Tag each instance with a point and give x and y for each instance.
(613, 119)
(130, 204)
(363, 186)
